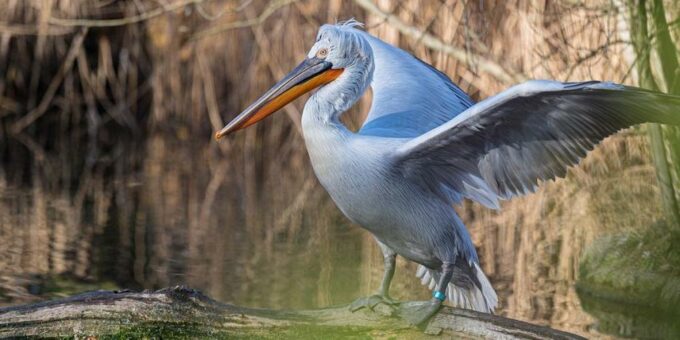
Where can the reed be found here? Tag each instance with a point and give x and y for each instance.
(107, 109)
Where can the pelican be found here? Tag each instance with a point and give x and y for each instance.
(425, 146)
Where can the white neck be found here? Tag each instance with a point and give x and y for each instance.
(325, 136)
(328, 103)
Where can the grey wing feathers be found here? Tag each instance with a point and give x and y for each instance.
(533, 131)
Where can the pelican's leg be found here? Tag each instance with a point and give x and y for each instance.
(419, 312)
(390, 263)
(383, 296)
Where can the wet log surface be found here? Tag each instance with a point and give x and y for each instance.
(186, 313)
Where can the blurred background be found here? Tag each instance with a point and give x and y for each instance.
(110, 179)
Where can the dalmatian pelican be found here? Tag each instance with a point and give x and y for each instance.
(425, 145)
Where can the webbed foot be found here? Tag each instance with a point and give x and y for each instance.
(417, 313)
(371, 302)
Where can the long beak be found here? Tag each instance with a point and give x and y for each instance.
(310, 74)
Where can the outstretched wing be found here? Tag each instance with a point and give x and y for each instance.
(410, 97)
(503, 145)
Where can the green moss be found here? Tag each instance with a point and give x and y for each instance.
(631, 283)
(158, 331)
(635, 268)
(179, 331)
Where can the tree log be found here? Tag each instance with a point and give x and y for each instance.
(180, 312)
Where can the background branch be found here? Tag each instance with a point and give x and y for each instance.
(122, 21)
(266, 13)
(482, 63)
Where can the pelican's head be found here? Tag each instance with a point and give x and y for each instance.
(337, 48)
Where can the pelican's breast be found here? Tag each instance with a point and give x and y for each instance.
(352, 168)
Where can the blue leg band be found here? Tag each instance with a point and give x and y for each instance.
(439, 295)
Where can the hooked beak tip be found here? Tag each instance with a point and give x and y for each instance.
(220, 134)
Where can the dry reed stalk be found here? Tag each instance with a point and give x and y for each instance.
(177, 72)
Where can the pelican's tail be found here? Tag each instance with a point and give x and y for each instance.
(473, 293)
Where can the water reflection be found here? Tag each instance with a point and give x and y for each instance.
(169, 211)
(630, 321)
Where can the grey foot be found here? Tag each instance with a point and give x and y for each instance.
(417, 313)
(371, 302)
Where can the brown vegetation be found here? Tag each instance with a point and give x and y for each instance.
(108, 172)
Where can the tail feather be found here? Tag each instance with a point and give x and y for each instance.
(481, 298)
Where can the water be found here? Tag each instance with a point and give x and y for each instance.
(259, 231)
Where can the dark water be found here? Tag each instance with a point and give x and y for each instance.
(246, 230)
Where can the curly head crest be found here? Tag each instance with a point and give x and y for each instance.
(350, 23)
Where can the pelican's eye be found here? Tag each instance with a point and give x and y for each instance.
(322, 53)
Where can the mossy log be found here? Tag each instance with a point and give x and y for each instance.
(186, 313)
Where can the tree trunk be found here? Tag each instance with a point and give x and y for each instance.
(181, 312)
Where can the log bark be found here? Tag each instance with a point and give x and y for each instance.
(186, 313)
